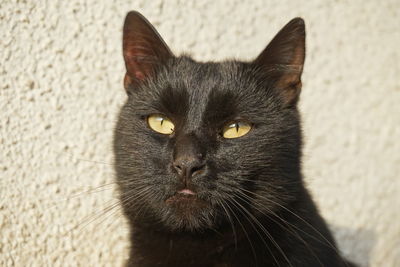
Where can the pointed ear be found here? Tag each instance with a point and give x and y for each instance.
(283, 59)
(143, 49)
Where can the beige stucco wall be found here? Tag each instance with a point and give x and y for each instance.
(61, 75)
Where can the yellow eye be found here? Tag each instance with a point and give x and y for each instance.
(160, 124)
(236, 129)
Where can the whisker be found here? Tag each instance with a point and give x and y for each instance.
(106, 210)
(230, 221)
(327, 242)
(249, 201)
(244, 231)
(94, 217)
(258, 224)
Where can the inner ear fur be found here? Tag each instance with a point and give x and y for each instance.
(283, 59)
(143, 48)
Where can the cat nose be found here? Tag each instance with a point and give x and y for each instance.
(188, 157)
(189, 166)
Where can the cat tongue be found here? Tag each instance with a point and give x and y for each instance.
(186, 192)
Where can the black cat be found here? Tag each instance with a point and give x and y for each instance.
(208, 157)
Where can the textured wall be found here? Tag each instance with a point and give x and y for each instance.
(61, 85)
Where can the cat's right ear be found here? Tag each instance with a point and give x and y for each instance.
(143, 48)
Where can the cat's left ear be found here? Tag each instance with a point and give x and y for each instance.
(283, 60)
(143, 48)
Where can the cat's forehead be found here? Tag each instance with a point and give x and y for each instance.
(204, 82)
(205, 92)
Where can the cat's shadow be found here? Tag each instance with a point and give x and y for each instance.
(355, 244)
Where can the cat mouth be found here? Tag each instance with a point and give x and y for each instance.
(186, 192)
(182, 195)
(185, 198)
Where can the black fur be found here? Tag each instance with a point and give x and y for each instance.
(251, 207)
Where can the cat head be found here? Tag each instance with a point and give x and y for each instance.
(197, 143)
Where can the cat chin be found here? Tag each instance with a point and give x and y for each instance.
(188, 213)
(188, 224)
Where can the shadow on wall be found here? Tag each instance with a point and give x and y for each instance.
(355, 244)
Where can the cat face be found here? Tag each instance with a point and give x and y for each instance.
(197, 142)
